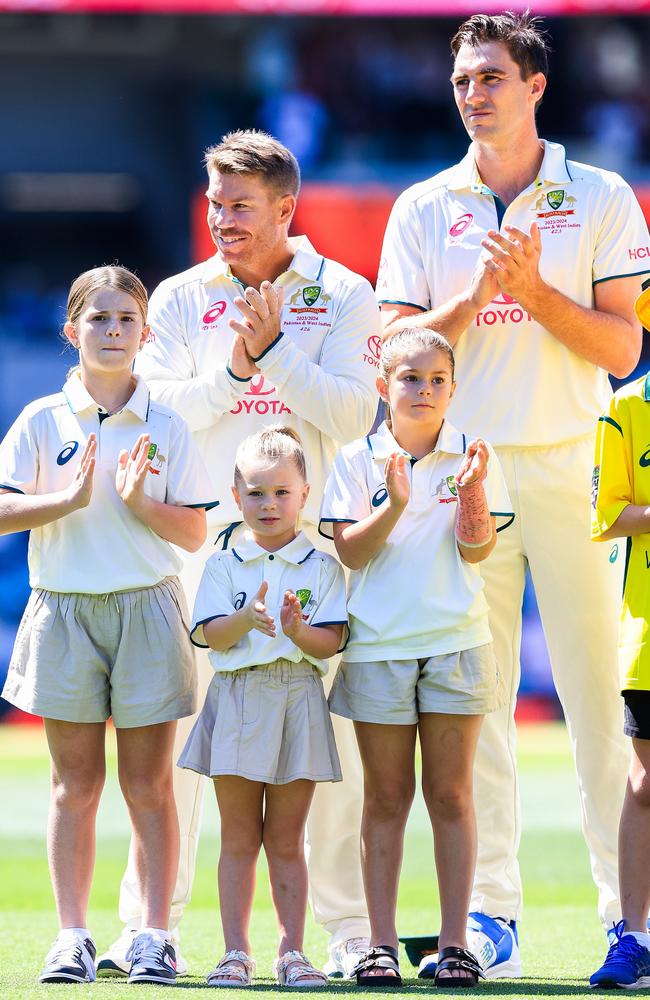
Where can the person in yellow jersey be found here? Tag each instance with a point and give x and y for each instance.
(621, 510)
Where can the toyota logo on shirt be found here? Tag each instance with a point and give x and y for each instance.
(259, 387)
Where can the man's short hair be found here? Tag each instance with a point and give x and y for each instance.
(522, 34)
(249, 151)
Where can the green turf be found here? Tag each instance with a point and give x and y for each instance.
(562, 941)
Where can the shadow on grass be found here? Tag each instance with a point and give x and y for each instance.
(418, 987)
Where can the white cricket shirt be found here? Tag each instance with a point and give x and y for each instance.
(318, 377)
(103, 547)
(517, 384)
(232, 578)
(417, 597)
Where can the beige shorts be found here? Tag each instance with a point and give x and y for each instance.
(396, 692)
(269, 723)
(85, 657)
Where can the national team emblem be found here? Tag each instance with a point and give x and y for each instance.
(311, 294)
(446, 491)
(303, 596)
(555, 198)
(157, 460)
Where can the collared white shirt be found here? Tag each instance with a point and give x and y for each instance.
(103, 547)
(517, 384)
(417, 597)
(232, 578)
(318, 376)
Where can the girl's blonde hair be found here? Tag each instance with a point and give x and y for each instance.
(271, 444)
(111, 276)
(412, 338)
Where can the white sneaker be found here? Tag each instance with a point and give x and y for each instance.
(69, 960)
(345, 957)
(495, 943)
(113, 963)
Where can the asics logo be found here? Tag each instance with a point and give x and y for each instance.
(379, 496)
(644, 461)
(240, 600)
(66, 453)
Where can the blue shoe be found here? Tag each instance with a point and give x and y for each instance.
(495, 943)
(627, 964)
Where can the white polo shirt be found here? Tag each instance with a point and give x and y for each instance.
(592, 230)
(103, 547)
(318, 377)
(232, 578)
(417, 597)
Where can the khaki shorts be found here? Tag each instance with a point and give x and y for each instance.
(269, 723)
(85, 657)
(397, 692)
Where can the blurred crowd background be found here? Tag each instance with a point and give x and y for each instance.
(105, 118)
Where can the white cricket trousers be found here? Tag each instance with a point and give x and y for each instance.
(333, 826)
(578, 584)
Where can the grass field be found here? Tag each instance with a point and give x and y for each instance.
(561, 939)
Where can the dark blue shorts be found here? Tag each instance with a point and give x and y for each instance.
(637, 714)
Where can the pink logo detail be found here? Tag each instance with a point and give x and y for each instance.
(374, 346)
(257, 387)
(216, 310)
(504, 299)
(460, 225)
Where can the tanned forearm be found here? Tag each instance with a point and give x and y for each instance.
(24, 511)
(633, 520)
(182, 526)
(356, 544)
(320, 641)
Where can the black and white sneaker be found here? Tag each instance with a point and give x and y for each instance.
(153, 960)
(70, 960)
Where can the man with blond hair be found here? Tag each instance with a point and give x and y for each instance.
(306, 365)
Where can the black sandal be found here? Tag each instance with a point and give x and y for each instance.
(381, 957)
(457, 960)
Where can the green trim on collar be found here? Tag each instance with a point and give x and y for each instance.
(609, 420)
(646, 388)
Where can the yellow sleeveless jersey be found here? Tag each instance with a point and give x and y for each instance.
(621, 477)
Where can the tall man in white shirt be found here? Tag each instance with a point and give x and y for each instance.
(308, 366)
(529, 264)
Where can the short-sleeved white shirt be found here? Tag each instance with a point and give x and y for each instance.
(592, 230)
(103, 547)
(417, 597)
(317, 377)
(232, 578)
